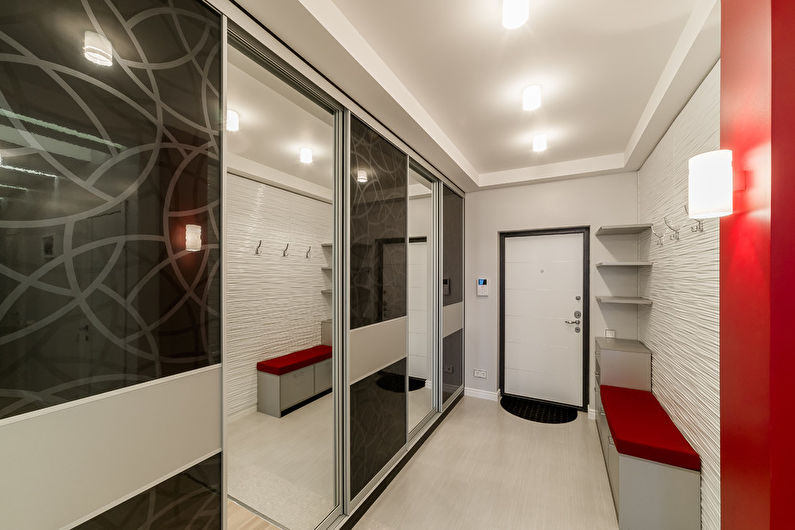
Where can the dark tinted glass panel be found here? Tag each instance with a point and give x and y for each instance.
(453, 358)
(109, 186)
(378, 228)
(453, 251)
(378, 422)
(191, 499)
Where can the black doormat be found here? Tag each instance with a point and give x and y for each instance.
(538, 411)
(397, 383)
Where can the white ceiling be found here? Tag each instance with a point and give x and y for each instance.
(275, 123)
(598, 62)
(446, 77)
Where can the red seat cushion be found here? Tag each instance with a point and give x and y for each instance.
(294, 361)
(641, 428)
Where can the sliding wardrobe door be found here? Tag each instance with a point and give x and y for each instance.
(452, 293)
(110, 147)
(378, 332)
(420, 281)
(282, 396)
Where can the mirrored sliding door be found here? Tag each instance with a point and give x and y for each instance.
(279, 385)
(420, 281)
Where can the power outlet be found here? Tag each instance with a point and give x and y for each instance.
(610, 333)
(480, 374)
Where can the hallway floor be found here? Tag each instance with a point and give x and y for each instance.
(484, 468)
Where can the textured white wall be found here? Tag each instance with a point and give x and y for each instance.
(591, 201)
(681, 327)
(274, 303)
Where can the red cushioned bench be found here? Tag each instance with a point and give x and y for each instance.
(654, 471)
(287, 380)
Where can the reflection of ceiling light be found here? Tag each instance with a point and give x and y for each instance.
(531, 97)
(539, 143)
(97, 49)
(193, 238)
(361, 176)
(9, 186)
(305, 155)
(515, 13)
(232, 120)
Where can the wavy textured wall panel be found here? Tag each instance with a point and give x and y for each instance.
(681, 328)
(274, 303)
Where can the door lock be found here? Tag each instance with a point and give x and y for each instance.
(577, 314)
(576, 330)
(573, 321)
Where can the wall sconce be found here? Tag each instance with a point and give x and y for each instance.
(305, 155)
(710, 185)
(193, 238)
(232, 120)
(361, 176)
(97, 49)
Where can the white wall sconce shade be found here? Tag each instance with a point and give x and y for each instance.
(531, 97)
(97, 49)
(515, 13)
(232, 120)
(305, 155)
(710, 185)
(193, 238)
(361, 176)
(539, 143)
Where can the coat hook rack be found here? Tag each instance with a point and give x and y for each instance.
(284, 252)
(698, 226)
(257, 251)
(674, 229)
(308, 251)
(658, 236)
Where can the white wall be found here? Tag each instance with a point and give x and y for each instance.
(682, 326)
(593, 201)
(274, 303)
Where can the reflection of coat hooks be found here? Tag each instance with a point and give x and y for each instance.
(256, 251)
(674, 230)
(308, 251)
(284, 252)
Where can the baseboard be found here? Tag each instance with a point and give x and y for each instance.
(481, 394)
(591, 413)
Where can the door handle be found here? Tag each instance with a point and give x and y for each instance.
(573, 321)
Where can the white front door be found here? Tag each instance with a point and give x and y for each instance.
(544, 290)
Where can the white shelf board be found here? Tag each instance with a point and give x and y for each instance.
(620, 230)
(625, 264)
(631, 300)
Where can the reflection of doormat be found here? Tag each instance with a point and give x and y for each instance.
(530, 409)
(397, 383)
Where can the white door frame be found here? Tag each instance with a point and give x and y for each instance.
(586, 310)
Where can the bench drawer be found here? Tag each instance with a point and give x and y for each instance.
(612, 469)
(322, 376)
(296, 386)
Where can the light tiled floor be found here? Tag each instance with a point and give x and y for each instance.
(485, 469)
(239, 518)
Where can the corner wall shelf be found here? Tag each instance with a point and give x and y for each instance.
(325, 245)
(327, 269)
(625, 264)
(326, 291)
(630, 300)
(620, 230)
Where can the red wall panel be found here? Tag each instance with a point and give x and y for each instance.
(745, 266)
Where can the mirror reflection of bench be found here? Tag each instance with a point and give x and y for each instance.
(288, 381)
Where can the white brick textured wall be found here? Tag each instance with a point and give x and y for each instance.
(681, 328)
(274, 303)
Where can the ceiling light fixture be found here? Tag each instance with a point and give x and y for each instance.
(539, 143)
(531, 97)
(710, 185)
(97, 49)
(232, 120)
(305, 155)
(515, 13)
(361, 176)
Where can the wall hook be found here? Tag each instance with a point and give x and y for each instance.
(699, 226)
(256, 251)
(308, 251)
(658, 236)
(284, 252)
(674, 230)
